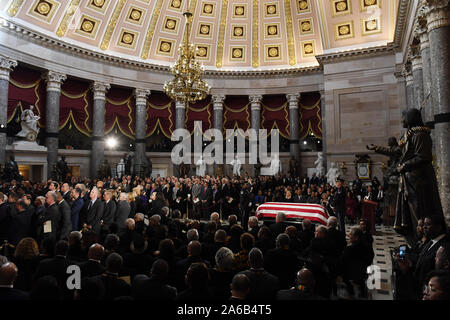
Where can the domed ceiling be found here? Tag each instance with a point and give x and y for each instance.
(228, 34)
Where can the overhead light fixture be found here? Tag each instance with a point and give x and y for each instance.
(187, 84)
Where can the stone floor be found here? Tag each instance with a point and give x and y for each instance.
(385, 239)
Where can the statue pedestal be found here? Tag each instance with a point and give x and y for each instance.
(24, 145)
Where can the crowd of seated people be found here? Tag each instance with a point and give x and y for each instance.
(144, 238)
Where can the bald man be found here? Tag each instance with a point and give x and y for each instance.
(93, 267)
(8, 274)
(303, 290)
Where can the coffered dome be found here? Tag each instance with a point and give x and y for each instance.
(229, 35)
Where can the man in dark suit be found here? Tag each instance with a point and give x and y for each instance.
(20, 224)
(110, 209)
(57, 267)
(194, 255)
(76, 207)
(205, 197)
(337, 238)
(8, 274)
(154, 287)
(314, 179)
(4, 218)
(263, 285)
(339, 204)
(244, 205)
(253, 225)
(240, 287)
(122, 212)
(116, 287)
(65, 223)
(49, 220)
(413, 277)
(303, 290)
(282, 262)
(65, 191)
(93, 267)
(93, 211)
(279, 226)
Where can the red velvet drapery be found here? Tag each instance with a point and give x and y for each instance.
(200, 111)
(236, 113)
(310, 115)
(119, 111)
(160, 114)
(275, 114)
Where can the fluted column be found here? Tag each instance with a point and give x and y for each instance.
(324, 128)
(98, 127)
(218, 111)
(180, 118)
(407, 74)
(294, 124)
(54, 81)
(421, 32)
(255, 108)
(416, 66)
(438, 23)
(141, 128)
(6, 65)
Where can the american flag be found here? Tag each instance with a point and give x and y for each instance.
(313, 212)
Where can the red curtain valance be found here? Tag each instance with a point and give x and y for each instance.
(76, 104)
(120, 112)
(200, 111)
(310, 115)
(26, 88)
(275, 114)
(160, 114)
(236, 113)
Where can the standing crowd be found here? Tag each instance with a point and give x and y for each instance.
(193, 239)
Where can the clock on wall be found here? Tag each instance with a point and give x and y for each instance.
(362, 166)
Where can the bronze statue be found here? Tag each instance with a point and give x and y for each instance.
(62, 170)
(11, 170)
(418, 192)
(104, 170)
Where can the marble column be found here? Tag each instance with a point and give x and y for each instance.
(6, 65)
(294, 123)
(255, 108)
(421, 32)
(98, 127)
(407, 74)
(416, 66)
(324, 128)
(141, 128)
(218, 124)
(438, 23)
(54, 81)
(180, 119)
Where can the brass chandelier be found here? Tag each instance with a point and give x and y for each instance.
(187, 84)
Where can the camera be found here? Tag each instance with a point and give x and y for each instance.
(402, 252)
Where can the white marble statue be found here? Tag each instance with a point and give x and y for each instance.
(121, 168)
(236, 163)
(333, 174)
(320, 169)
(201, 167)
(275, 165)
(28, 122)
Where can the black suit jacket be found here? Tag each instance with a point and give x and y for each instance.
(4, 221)
(20, 226)
(153, 288)
(91, 268)
(109, 212)
(426, 261)
(94, 214)
(295, 294)
(277, 228)
(51, 213)
(65, 224)
(263, 285)
(67, 198)
(56, 267)
(283, 264)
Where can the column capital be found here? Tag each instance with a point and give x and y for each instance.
(438, 15)
(180, 105)
(416, 57)
(100, 89)
(141, 95)
(6, 65)
(54, 80)
(293, 99)
(218, 99)
(421, 29)
(255, 99)
(407, 73)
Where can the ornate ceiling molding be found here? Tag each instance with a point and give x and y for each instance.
(42, 39)
(404, 9)
(353, 54)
